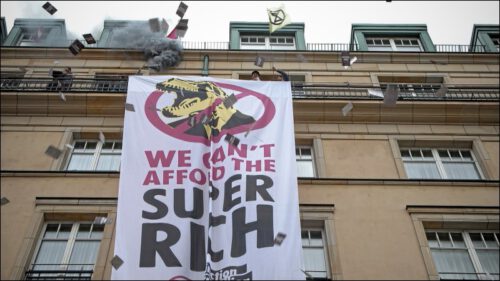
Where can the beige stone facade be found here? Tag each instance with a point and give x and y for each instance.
(373, 217)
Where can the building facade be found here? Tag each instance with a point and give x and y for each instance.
(408, 190)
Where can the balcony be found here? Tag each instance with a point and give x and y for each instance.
(325, 91)
(59, 272)
(310, 47)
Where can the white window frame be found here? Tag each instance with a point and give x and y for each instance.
(322, 247)
(496, 40)
(389, 44)
(439, 161)
(267, 44)
(30, 37)
(300, 158)
(96, 154)
(469, 246)
(70, 243)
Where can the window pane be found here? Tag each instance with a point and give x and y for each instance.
(443, 154)
(305, 153)
(444, 239)
(50, 255)
(427, 154)
(316, 238)
(489, 260)
(449, 261)
(79, 145)
(477, 240)
(118, 145)
(455, 155)
(489, 238)
(51, 231)
(431, 237)
(64, 231)
(405, 153)
(461, 171)
(80, 162)
(83, 231)
(108, 162)
(458, 240)
(91, 145)
(421, 170)
(314, 260)
(305, 238)
(84, 255)
(466, 154)
(107, 145)
(97, 231)
(305, 169)
(415, 153)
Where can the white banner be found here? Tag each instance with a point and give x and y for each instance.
(208, 186)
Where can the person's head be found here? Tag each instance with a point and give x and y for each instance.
(67, 69)
(255, 75)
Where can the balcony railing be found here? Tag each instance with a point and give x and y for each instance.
(299, 90)
(313, 47)
(59, 272)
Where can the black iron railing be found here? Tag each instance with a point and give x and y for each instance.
(299, 91)
(59, 272)
(321, 47)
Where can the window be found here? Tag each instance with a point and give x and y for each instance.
(305, 161)
(313, 249)
(465, 255)
(255, 42)
(394, 44)
(111, 82)
(66, 250)
(432, 163)
(93, 155)
(496, 41)
(32, 36)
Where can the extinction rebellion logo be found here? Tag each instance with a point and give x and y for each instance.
(203, 112)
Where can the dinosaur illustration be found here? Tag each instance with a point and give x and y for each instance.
(192, 99)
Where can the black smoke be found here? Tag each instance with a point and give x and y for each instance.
(160, 52)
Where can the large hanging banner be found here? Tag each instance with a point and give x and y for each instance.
(208, 186)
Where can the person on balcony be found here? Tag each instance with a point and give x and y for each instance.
(282, 76)
(66, 79)
(256, 76)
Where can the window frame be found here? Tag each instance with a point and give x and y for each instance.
(268, 44)
(469, 247)
(323, 247)
(96, 154)
(438, 160)
(69, 245)
(394, 47)
(312, 159)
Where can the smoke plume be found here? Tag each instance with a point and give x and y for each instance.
(160, 52)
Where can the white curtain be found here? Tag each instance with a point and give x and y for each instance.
(451, 261)
(84, 255)
(109, 162)
(421, 170)
(463, 171)
(489, 261)
(314, 262)
(80, 162)
(305, 169)
(50, 255)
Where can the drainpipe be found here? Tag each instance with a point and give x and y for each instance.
(204, 71)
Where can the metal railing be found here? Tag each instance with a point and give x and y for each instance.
(59, 272)
(442, 48)
(331, 47)
(299, 90)
(314, 47)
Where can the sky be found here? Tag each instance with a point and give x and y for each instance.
(448, 22)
